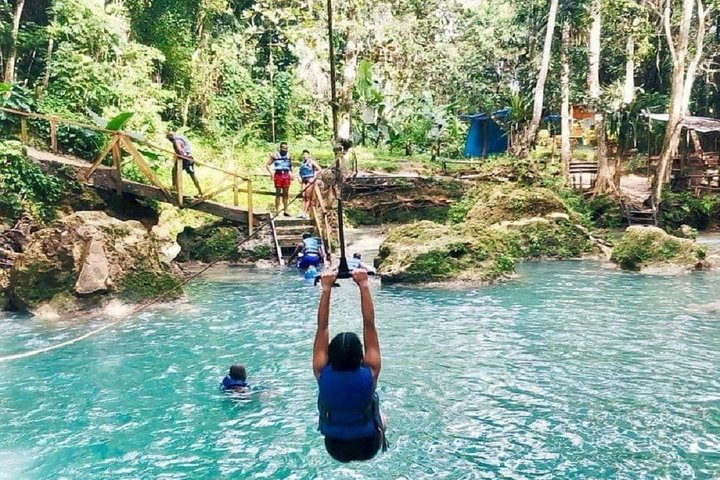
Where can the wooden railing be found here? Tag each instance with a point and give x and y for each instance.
(120, 140)
(321, 219)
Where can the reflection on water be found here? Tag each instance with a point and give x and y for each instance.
(571, 371)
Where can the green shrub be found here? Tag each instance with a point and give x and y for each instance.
(24, 187)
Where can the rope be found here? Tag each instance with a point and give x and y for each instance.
(149, 303)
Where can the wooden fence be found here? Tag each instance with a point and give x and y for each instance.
(120, 140)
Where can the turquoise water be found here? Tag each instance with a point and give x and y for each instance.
(570, 371)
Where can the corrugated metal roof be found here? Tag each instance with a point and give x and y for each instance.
(699, 124)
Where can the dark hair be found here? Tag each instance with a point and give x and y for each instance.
(307, 235)
(306, 151)
(353, 450)
(237, 372)
(345, 352)
(357, 255)
(169, 135)
(283, 143)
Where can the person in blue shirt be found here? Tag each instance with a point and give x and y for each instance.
(349, 408)
(182, 148)
(236, 380)
(312, 252)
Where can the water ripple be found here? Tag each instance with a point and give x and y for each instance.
(570, 371)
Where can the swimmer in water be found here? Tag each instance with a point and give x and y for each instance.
(235, 380)
(350, 417)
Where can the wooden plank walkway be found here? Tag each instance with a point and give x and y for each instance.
(104, 179)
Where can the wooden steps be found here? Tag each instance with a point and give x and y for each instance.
(288, 233)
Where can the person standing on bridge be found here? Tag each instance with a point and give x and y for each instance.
(309, 170)
(281, 173)
(182, 148)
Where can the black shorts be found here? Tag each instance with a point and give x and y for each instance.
(354, 450)
(189, 166)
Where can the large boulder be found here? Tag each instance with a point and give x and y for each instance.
(85, 259)
(509, 202)
(507, 222)
(652, 250)
(476, 252)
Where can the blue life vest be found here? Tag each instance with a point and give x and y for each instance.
(282, 163)
(311, 246)
(306, 170)
(353, 263)
(184, 141)
(347, 404)
(229, 384)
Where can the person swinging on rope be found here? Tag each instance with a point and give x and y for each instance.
(349, 407)
(281, 175)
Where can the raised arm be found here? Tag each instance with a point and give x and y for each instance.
(322, 336)
(370, 336)
(295, 252)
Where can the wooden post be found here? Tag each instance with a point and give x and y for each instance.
(117, 161)
(250, 205)
(236, 200)
(53, 136)
(177, 181)
(23, 130)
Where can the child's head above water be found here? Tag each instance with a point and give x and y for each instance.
(238, 373)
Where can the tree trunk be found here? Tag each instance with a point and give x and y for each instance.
(629, 88)
(605, 181)
(680, 85)
(542, 76)
(12, 51)
(349, 75)
(697, 145)
(565, 108)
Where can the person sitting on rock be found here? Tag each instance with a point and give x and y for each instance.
(182, 148)
(236, 380)
(348, 404)
(312, 252)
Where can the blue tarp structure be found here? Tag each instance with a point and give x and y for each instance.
(485, 136)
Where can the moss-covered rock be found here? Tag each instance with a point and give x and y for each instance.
(221, 241)
(86, 259)
(650, 249)
(475, 251)
(509, 202)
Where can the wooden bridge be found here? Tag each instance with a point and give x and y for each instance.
(104, 177)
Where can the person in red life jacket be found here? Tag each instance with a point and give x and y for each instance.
(279, 165)
(182, 148)
(350, 417)
(309, 170)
